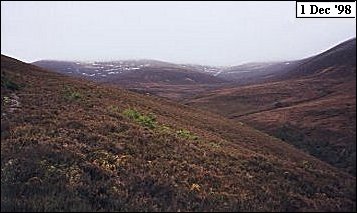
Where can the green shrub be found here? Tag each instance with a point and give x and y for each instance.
(132, 114)
(182, 133)
(72, 95)
(8, 84)
(145, 120)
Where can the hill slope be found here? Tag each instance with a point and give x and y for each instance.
(68, 144)
(312, 106)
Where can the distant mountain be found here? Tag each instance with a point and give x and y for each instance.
(101, 70)
(139, 71)
(167, 75)
(212, 70)
(335, 62)
(257, 72)
(174, 81)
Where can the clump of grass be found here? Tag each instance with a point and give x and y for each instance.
(132, 114)
(105, 160)
(306, 164)
(145, 120)
(8, 84)
(72, 95)
(183, 133)
(195, 187)
(6, 99)
(113, 109)
(215, 144)
(164, 129)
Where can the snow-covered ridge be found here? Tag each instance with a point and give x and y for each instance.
(101, 69)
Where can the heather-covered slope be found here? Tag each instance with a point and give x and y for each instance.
(312, 106)
(68, 144)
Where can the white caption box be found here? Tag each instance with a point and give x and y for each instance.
(325, 9)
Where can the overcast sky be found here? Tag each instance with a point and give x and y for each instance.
(212, 33)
